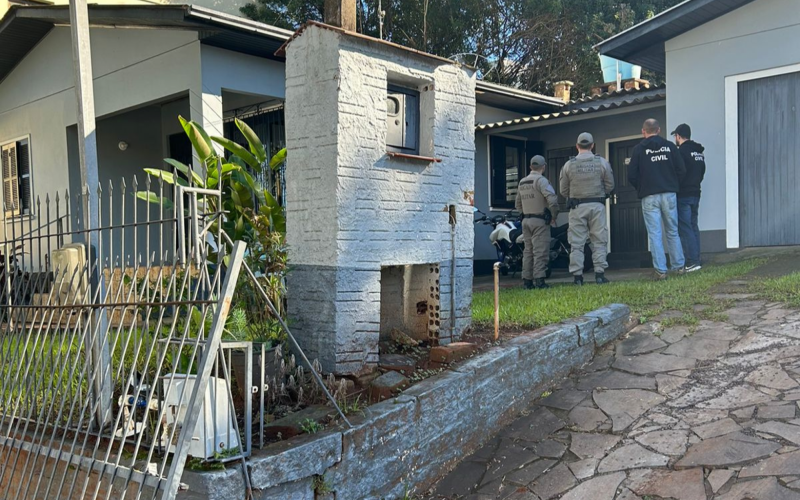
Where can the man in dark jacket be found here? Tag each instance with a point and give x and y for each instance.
(656, 170)
(689, 195)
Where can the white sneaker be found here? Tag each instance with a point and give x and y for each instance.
(696, 267)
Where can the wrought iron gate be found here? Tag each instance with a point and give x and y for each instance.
(109, 342)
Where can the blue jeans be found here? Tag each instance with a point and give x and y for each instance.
(661, 209)
(688, 229)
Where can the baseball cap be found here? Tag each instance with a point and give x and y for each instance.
(585, 139)
(537, 161)
(683, 130)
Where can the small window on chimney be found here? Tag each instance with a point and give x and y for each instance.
(402, 120)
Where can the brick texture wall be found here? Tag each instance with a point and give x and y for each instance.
(352, 209)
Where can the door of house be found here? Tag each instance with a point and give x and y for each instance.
(769, 166)
(628, 232)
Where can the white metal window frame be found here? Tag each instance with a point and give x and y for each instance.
(31, 211)
(732, 145)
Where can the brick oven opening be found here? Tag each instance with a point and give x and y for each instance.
(410, 301)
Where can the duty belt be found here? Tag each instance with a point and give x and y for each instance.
(535, 216)
(581, 201)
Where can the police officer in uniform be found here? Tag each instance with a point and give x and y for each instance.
(538, 202)
(586, 181)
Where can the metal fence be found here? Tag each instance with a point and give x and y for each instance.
(110, 373)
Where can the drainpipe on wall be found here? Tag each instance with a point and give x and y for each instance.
(451, 209)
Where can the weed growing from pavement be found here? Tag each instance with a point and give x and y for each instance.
(784, 289)
(310, 426)
(647, 299)
(321, 485)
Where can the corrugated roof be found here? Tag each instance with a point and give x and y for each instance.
(623, 93)
(634, 98)
(24, 26)
(643, 44)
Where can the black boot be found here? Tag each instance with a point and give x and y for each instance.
(540, 284)
(528, 284)
(579, 279)
(600, 278)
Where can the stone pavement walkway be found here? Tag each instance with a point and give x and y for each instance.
(662, 414)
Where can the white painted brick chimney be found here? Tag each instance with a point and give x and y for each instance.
(352, 209)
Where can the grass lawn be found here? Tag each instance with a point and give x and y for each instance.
(528, 309)
(784, 289)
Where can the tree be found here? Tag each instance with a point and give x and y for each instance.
(529, 44)
(440, 27)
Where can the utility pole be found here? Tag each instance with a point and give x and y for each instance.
(381, 15)
(97, 349)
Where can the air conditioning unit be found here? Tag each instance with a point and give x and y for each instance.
(69, 274)
(215, 432)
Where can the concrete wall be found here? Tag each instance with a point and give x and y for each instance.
(559, 134)
(225, 70)
(352, 209)
(761, 35)
(141, 129)
(489, 114)
(431, 426)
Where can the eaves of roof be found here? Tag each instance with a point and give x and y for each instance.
(504, 90)
(600, 106)
(23, 27)
(643, 44)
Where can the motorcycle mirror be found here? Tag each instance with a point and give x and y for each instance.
(475, 210)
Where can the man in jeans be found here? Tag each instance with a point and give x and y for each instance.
(689, 195)
(656, 170)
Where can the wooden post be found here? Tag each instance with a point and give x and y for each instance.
(496, 300)
(87, 154)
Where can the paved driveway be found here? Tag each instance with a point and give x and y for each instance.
(664, 413)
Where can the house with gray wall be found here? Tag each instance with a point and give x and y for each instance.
(504, 149)
(151, 63)
(733, 68)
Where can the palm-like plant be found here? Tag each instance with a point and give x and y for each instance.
(243, 199)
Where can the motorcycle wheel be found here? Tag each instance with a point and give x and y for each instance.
(548, 272)
(504, 270)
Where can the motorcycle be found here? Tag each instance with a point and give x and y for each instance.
(506, 237)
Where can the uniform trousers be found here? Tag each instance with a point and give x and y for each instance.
(536, 254)
(588, 221)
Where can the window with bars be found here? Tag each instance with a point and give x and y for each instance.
(16, 169)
